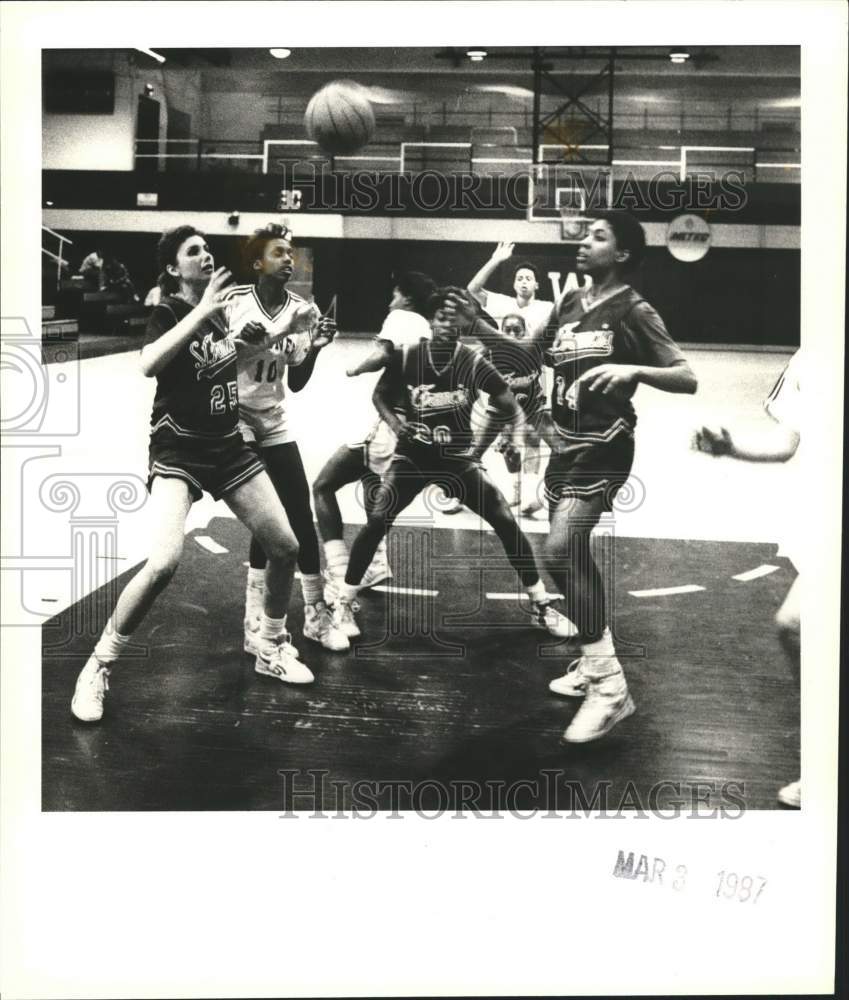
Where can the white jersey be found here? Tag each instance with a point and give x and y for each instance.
(262, 388)
(404, 328)
(401, 328)
(535, 313)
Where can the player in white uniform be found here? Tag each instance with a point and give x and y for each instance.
(294, 332)
(367, 460)
(534, 311)
(777, 443)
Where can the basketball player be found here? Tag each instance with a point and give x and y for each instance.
(366, 461)
(195, 445)
(534, 311)
(520, 442)
(267, 309)
(602, 341)
(778, 444)
(425, 395)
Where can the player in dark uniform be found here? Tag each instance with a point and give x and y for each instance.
(425, 395)
(521, 368)
(195, 445)
(602, 342)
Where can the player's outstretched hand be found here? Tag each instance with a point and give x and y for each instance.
(252, 333)
(504, 251)
(213, 296)
(610, 379)
(461, 308)
(304, 319)
(713, 441)
(405, 431)
(326, 332)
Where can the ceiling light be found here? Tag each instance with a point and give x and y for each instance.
(477, 55)
(679, 56)
(153, 55)
(280, 53)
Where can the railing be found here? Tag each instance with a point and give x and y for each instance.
(285, 112)
(61, 263)
(641, 161)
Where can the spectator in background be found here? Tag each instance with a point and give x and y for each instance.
(107, 274)
(117, 279)
(92, 269)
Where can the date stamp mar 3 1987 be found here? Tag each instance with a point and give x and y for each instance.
(652, 870)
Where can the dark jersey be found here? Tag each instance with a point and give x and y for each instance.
(518, 363)
(196, 392)
(622, 329)
(436, 388)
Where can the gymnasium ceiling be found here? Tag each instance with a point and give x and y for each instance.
(767, 75)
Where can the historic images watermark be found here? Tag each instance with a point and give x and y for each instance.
(59, 525)
(314, 794)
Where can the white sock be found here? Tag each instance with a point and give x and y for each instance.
(312, 587)
(536, 592)
(601, 656)
(254, 593)
(110, 645)
(336, 554)
(271, 629)
(348, 591)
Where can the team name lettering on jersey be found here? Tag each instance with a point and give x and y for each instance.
(211, 355)
(571, 344)
(422, 398)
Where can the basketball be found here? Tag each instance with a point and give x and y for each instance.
(339, 118)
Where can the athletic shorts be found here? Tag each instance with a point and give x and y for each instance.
(218, 465)
(266, 427)
(588, 468)
(432, 467)
(378, 448)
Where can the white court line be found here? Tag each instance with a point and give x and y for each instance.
(753, 574)
(688, 588)
(515, 596)
(405, 590)
(205, 542)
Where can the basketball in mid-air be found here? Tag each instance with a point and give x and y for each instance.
(339, 118)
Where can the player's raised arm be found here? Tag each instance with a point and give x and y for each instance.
(476, 286)
(158, 353)
(300, 374)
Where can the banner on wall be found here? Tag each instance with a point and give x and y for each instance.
(688, 237)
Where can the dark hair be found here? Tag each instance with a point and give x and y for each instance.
(526, 266)
(417, 287)
(521, 319)
(166, 254)
(629, 235)
(255, 247)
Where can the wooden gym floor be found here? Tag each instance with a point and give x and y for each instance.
(448, 687)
